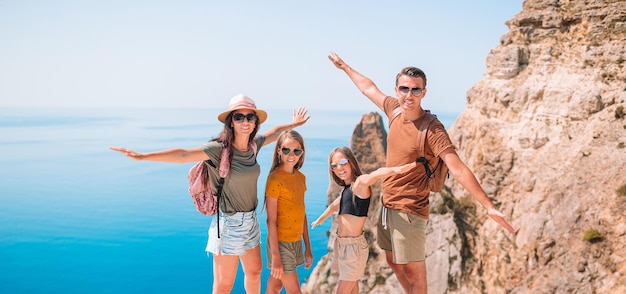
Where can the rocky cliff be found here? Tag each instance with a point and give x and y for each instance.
(545, 133)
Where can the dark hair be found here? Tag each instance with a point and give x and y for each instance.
(227, 136)
(354, 164)
(411, 71)
(290, 134)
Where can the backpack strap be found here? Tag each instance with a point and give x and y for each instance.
(396, 113)
(223, 171)
(421, 142)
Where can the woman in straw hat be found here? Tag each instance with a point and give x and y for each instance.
(240, 233)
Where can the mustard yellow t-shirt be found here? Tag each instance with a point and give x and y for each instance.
(289, 190)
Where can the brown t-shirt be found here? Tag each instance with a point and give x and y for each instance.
(408, 192)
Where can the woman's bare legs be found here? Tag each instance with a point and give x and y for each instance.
(252, 265)
(224, 272)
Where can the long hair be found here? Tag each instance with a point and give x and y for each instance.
(354, 165)
(276, 161)
(226, 137)
(293, 135)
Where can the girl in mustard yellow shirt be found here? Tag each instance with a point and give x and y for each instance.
(287, 225)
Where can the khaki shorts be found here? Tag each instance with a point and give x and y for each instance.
(405, 235)
(350, 257)
(290, 254)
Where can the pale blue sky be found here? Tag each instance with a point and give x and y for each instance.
(200, 53)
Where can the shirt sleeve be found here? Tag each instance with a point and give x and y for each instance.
(273, 186)
(213, 149)
(438, 138)
(259, 140)
(389, 105)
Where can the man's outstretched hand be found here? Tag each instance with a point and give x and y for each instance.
(501, 219)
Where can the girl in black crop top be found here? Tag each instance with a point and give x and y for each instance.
(349, 204)
(353, 203)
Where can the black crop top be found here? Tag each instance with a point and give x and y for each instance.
(358, 208)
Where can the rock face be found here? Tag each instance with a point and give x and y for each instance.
(545, 134)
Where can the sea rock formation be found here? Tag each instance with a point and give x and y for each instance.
(545, 133)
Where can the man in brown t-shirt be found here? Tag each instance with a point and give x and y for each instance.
(402, 224)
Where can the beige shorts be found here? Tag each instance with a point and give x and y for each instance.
(290, 254)
(404, 235)
(350, 257)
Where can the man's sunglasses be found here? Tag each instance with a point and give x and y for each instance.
(416, 91)
(342, 162)
(296, 152)
(251, 117)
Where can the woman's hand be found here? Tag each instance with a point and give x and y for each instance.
(129, 153)
(300, 117)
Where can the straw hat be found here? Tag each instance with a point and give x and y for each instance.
(242, 101)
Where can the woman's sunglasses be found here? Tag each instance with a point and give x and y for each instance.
(342, 162)
(296, 152)
(251, 117)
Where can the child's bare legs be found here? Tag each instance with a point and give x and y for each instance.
(289, 281)
(351, 287)
(273, 286)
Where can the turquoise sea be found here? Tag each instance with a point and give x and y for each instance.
(76, 217)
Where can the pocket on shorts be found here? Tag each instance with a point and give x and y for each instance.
(233, 222)
(363, 244)
(410, 218)
(352, 253)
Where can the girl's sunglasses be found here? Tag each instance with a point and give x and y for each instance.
(238, 117)
(296, 152)
(342, 162)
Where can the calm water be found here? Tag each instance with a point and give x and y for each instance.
(76, 217)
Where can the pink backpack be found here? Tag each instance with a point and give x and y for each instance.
(204, 199)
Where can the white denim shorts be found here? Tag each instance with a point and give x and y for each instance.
(238, 233)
